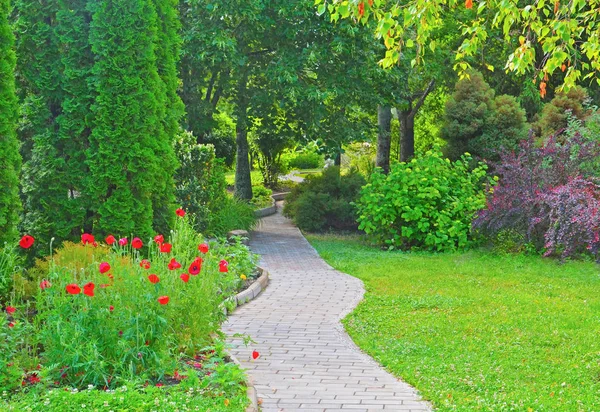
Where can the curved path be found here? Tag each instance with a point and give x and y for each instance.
(307, 362)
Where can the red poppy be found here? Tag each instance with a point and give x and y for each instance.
(159, 239)
(73, 289)
(173, 264)
(10, 310)
(86, 238)
(180, 212)
(104, 267)
(145, 264)
(159, 384)
(123, 241)
(223, 266)
(110, 239)
(110, 276)
(95, 244)
(163, 300)
(11, 324)
(44, 284)
(136, 243)
(195, 267)
(203, 248)
(255, 355)
(153, 279)
(166, 247)
(185, 277)
(111, 308)
(26, 241)
(88, 289)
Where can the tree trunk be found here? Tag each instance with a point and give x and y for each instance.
(243, 182)
(384, 141)
(407, 134)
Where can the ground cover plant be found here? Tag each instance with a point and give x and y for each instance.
(478, 331)
(103, 314)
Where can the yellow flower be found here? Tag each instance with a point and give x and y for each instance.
(243, 277)
(226, 402)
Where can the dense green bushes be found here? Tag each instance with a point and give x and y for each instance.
(201, 189)
(98, 86)
(325, 201)
(428, 203)
(9, 146)
(306, 160)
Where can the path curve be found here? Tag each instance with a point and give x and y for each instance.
(307, 362)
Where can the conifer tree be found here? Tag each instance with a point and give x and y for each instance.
(129, 147)
(10, 158)
(167, 49)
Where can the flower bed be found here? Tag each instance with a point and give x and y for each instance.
(123, 312)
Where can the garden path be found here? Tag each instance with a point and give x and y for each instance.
(307, 362)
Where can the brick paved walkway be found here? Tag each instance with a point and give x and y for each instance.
(306, 361)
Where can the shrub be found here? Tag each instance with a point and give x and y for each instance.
(480, 124)
(556, 113)
(547, 196)
(427, 203)
(232, 214)
(261, 197)
(325, 201)
(200, 181)
(9, 263)
(306, 160)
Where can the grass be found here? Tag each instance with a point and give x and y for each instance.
(255, 177)
(478, 331)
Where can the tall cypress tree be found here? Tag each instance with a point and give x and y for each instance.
(168, 44)
(128, 144)
(10, 158)
(38, 74)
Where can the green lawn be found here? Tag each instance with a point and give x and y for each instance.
(478, 331)
(255, 177)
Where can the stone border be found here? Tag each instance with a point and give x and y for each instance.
(271, 210)
(242, 298)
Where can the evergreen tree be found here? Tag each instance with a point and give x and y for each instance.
(129, 147)
(38, 74)
(10, 158)
(167, 49)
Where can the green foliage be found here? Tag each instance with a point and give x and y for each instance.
(480, 124)
(10, 159)
(261, 197)
(9, 266)
(193, 393)
(131, 155)
(325, 201)
(200, 180)
(232, 214)
(460, 326)
(427, 203)
(123, 332)
(15, 344)
(555, 114)
(306, 160)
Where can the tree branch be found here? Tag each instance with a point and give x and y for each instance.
(421, 100)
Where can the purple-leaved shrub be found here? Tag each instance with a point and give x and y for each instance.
(548, 195)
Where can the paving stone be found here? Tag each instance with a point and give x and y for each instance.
(307, 362)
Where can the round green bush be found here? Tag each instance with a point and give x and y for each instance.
(428, 203)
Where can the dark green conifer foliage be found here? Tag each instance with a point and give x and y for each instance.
(129, 146)
(38, 75)
(10, 159)
(167, 50)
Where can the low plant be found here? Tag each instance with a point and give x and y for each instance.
(116, 311)
(306, 160)
(232, 214)
(428, 203)
(261, 197)
(325, 201)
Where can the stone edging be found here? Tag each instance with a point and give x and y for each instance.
(271, 210)
(241, 298)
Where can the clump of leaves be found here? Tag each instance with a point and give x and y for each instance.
(427, 203)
